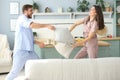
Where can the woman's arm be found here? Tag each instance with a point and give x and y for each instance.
(90, 36)
(76, 24)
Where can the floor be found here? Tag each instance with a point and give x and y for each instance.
(2, 76)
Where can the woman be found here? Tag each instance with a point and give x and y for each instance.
(92, 24)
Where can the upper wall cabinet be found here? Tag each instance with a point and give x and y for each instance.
(117, 17)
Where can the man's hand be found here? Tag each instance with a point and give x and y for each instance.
(51, 27)
(41, 44)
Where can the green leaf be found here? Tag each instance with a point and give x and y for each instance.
(82, 5)
(35, 5)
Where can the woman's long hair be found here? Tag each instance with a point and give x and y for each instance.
(102, 29)
(99, 17)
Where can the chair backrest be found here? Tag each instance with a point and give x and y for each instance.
(3, 42)
(5, 51)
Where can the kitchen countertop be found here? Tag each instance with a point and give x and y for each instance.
(101, 41)
(114, 38)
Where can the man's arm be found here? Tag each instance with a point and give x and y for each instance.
(37, 25)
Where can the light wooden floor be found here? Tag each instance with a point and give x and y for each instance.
(2, 76)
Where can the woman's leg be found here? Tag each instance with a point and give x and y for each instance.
(82, 53)
(92, 52)
(92, 48)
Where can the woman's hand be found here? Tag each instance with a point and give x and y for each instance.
(51, 27)
(77, 44)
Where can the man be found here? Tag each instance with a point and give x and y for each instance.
(24, 41)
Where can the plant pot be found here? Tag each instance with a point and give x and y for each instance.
(83, 10)
(35, 10)
(107, 9)
(60, 10)
(69, 9)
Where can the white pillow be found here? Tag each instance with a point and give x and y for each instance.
(64, 49)
(63, 35)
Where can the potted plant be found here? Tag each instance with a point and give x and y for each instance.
(35, 35)
(82, 5)
(35, 7)
(107, 7)
(101, 3)
(69, 9)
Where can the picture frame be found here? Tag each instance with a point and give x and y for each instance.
(13, 24)
(14, 7)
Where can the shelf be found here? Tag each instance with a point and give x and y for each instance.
(82, 13)
(70, 14)
(118, 12)
(118, 24)
(118, 0)
(76, 13)
(51, 14)
(109, 14)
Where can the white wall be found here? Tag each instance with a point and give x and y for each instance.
(53, 4)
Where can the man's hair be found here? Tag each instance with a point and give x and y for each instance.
(26, 7)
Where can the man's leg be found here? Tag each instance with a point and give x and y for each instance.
(33, 55)
(19, 60)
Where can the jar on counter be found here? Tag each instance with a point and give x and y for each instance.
(109, 36)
